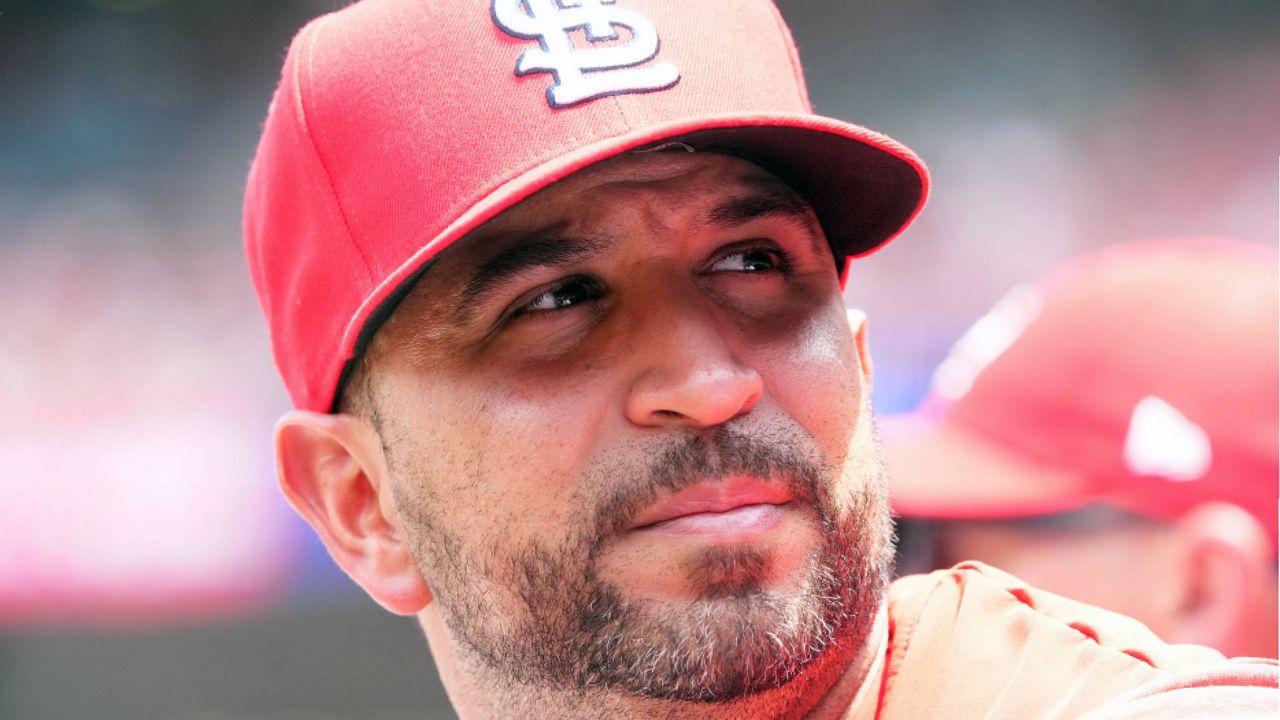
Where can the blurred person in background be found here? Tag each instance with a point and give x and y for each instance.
(1110, 433)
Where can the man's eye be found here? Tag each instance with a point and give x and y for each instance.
(573, 291)
(758, 260)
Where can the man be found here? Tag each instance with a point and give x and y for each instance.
(555, 289)
(1110, 433)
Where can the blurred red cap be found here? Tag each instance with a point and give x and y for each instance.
(401, 125)
(1145, 376)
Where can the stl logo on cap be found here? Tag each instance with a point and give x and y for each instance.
(582, 74)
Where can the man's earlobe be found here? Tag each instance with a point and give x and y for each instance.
(332, 471)
(858, 324)
(1225, 561)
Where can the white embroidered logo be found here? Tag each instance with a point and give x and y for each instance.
(1162, 441)
(585, 73)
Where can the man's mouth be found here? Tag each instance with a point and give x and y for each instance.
(733, 505)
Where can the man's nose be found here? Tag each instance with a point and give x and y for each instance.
(690, 373)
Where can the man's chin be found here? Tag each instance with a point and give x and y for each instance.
(735, 628)
(727, 647)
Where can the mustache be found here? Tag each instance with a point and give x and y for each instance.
(785, 457)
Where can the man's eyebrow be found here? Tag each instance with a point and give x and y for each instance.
(763, 199)
(524, 253)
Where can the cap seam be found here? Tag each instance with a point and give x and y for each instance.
(627, 123)
(299, 78)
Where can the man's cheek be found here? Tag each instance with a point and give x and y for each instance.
(526, 450)
(817, 378)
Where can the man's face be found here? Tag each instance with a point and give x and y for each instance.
(628, 436)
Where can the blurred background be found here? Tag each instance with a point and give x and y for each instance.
(149, 568)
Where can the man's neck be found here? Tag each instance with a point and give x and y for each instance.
(841, 685)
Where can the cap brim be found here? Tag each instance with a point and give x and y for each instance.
(864, 187)
(937, 471)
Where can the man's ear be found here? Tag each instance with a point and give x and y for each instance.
(858, 324)
(332, 470)
(1224, 564)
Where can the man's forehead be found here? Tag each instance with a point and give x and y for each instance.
(675, 165)
(698, 179)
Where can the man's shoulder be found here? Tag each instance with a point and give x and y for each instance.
(976, 592)
(973, 641)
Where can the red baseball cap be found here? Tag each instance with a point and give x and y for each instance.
(399, 126)
(1145, 376)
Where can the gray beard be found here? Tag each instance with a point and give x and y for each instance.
(576, 632)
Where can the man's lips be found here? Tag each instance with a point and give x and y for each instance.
(726, 503)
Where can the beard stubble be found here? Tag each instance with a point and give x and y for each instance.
(567, 628)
